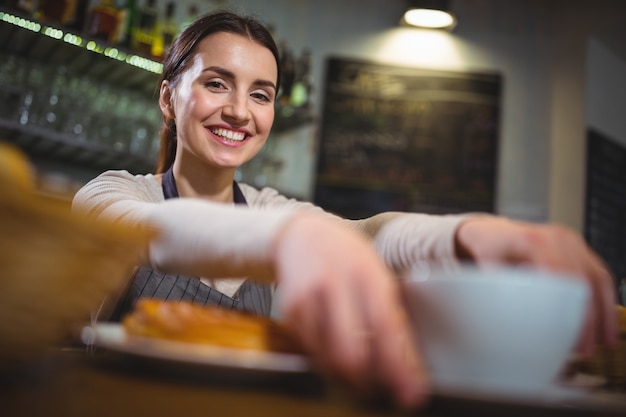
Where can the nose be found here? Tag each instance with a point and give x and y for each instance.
(236, 108)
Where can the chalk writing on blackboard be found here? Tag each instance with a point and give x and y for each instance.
(395, 138)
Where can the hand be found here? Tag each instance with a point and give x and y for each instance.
(497, 240)
(344, 306)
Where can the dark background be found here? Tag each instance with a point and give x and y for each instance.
(605, 202)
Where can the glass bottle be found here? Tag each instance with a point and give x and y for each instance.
(167, 31)
(126, 10)
(26, 7)
(145, 27)
(103, 21)
(53, 11)
(77, 16)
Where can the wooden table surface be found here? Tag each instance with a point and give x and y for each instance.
(73, 382)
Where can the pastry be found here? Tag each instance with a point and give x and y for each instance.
(184, 321)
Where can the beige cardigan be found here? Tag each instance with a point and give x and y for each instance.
(216, 240)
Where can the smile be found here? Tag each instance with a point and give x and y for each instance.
(229, 134)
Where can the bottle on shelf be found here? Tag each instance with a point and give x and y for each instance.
(77, 15)
(288, 77)
(301, 91)
(102, 22)
(144, 31)
(166, 32)
(127, 12)
(54, 11)
(25, 7)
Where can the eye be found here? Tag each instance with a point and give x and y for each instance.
(215, 84)
(262, 96)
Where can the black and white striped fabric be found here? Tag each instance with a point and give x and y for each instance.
(251, 297)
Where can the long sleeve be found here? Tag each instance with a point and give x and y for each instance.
(196, 237)
(406, 239)
(215, 240)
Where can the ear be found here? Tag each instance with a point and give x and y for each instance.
(165, 100)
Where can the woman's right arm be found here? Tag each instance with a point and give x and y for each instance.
(194, 237)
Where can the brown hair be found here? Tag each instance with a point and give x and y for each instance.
(181, 52)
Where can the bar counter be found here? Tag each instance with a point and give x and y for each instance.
(77, 382)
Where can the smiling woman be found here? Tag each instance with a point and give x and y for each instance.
(337, 277)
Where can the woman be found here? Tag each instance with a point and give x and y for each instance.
(336, 276)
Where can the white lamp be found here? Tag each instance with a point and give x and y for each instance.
(429, 14)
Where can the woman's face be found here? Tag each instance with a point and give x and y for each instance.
(223, 103)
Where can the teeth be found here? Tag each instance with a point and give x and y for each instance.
(229, 134)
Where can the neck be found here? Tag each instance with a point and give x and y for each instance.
(195, 181)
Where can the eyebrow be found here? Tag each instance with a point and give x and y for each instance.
(229, 74)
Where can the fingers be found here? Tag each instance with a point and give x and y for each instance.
(550, 247)
(396, 359)
(566, 251)
(340, 346)
(363, 341)
(603, 301)
(344, 307)
(557, 248)
(587, 340)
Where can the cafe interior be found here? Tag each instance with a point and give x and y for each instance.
(507, 107)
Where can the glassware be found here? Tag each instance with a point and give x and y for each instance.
(54, 108)
(146, 117)
(81, 93)
(35, 94)
(11, 74)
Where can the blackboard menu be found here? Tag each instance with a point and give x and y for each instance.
(395, 138)
(605, 211)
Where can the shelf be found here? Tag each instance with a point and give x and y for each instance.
(56, 46)
(38, 142)
(41, 42)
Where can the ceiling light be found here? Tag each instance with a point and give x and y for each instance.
(429, 14)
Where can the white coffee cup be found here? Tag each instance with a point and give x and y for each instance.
(494, 330)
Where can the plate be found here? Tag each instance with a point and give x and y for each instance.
(113, 337)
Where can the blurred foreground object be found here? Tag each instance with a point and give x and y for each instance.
(56, 267)
(495, 330)
(16, 172)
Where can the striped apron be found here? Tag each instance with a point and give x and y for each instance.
(252, 297)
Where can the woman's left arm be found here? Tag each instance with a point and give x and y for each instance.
(405, 239)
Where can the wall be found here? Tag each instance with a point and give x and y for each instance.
(578, 79)
(606, 91)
